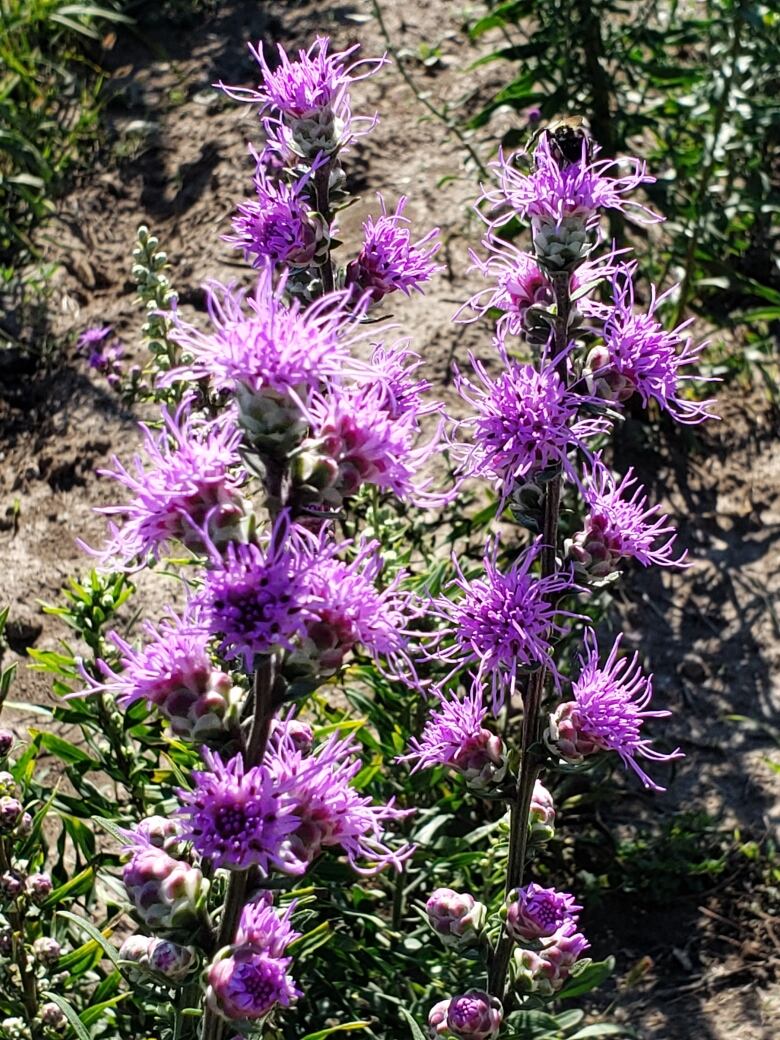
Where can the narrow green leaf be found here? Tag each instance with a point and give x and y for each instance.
(417, 1033)
(70, 1014)
(75, 886)
(345, 1027)
(93, 1014)
(100, 937)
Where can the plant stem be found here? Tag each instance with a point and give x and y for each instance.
(322, 193)
(16, 918)
(531, 761)
(235, 897)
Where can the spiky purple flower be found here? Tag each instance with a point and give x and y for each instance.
(503, 622)
(475, 1015)
(306, 102)
(388, 259)
(609, 710)
(254, 597)
(534, 913)
(525, 422)
(243, 986)
(193, 482)
(394, 369)
(330, 812)
(455, 735)
(645, 357)
(237, 817)
(278, 225)
(261, 927)
(618, 526)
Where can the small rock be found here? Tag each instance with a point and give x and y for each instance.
(693, 667)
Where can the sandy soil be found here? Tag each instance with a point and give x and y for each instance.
(710, 633)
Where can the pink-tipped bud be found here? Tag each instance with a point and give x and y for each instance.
(170, 960)
(457, 918)
(162, 832)
(53, 1017)
(168, 894)
(544, 972)
(6, 742)
(39, 888)
(563, 733)
(482, 761)
(11, 885)
(11, 812)
(541, 818)
(47, 950)
(437, 1020)
(475, 1015)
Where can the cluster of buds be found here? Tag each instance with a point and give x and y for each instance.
(474, 1015)
(595, 552)
(14, 821)
(14, 1029)
(46, 951)
(457, 918)
(482, 760)
(53, 1018)
(564, 733)
(205, 709)
(543, 972)
(169, 895)
(162, 958)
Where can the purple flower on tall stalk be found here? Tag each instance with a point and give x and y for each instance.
(646, 357)
(534, 913)
(617, 526)
(317, 790)
(455, 735)
(192, 486)
(393, 376)
(504, 622)
(261, 927)
(261, 343)
(254, 597)
(103, 354)
(173, 672)
(306, 103)
(388, 259)
(237, 817)
(608, 711)
(554, 191)
(524, 422)
(243, 985)
(278, 225)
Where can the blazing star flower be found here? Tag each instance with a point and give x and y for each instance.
(504, 622)
(555, 191)
(278, 224)
(192, 484)
(474, 1015)
(261, 927)
(454, 735)
(393, 369)
(618, 527)
(329, 810)
(388, 259)
(645, 357)
(237, 817)
(254, 597)
(367, 444)
(174, 673)
(243, 986)
(534, 913)
(608, 711)
(346, 609)
(307, 102)
(525, 422)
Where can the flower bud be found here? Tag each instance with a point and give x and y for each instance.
(14, 1029)
(162, 831)
(482, 761)
(273, 421)
(475, 1015)
(563, 733)
(456, 918)
(544, 972)
(204, 709)
(135, 949)
(7, 784)
(25, 826)
(170, 960)
(11, 811)
(47, 951)
(11, 885)
(39, 888)
(6, 941)
(602, 380)
(541, 818)
(168, 894)
(535, 914)
(53, 1017)
(6, 742)
(561, 246)
(437, 1020)
(300, 733)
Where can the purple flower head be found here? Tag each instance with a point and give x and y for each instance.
(454, 735)
(609, 710)
(173, 673)
(388, 259)
(641, 356)
(618, 526)
(554, 192)
(307, 102)
(262, 928)
(193, 483)
(243, 985)
(254, 597)
(525, 422)
(394, 369)
(503, 622)
(368, 444)
(329, 810)
(534, 913)
(475, 1016)
(278, 224)
(103, 354)
(346, 608)
(237, 817)
(300, 733)
(93, 339)
(264, 345)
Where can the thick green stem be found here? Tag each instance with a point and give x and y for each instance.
(531, 760)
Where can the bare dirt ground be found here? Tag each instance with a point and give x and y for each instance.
(707, 964)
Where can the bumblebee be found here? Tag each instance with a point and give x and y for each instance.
(565, 137)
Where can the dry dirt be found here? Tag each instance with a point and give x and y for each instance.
(710, 633)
